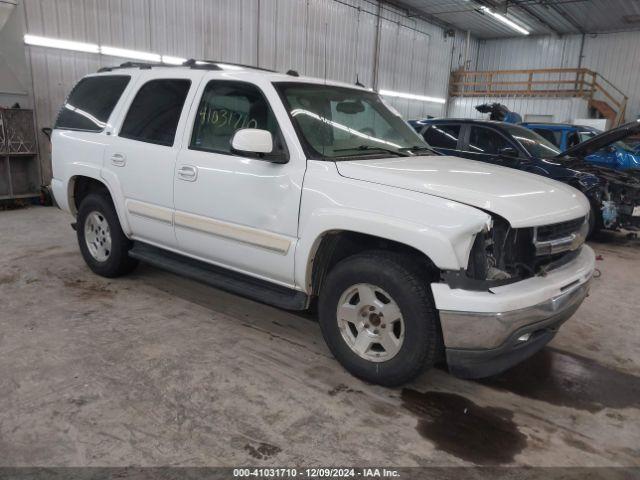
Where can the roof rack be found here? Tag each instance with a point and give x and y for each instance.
(191, 63)
(203, 63)
(140, 65)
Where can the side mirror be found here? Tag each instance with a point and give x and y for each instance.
(508, 152)
(252, 140)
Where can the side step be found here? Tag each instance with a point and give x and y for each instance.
(221, 278)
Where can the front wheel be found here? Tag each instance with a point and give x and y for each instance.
(377, 317)
(103, 244)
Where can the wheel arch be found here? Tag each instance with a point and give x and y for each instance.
(332, 246)
(79, 186)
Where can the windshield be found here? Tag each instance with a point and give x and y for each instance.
(340, 123)
(533, 143)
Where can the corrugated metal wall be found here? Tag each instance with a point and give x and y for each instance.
(616, 56)
(336, 38)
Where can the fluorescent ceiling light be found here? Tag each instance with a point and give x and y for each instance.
(411, 96)
(124, 53)
(505, 20)
(62, 44)
(168, 59)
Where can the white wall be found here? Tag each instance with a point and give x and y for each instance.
(335, 38)
(616, 56)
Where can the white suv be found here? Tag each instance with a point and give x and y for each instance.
(295, 190)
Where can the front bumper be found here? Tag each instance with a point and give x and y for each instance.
(485, 333)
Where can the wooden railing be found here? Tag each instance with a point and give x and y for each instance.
(543, 82)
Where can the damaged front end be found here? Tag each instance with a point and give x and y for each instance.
(616, 199)
(502, 255)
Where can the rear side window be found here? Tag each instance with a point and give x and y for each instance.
(91, 102)
(155, 111)
(443, 136)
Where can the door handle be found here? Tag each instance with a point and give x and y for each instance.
(188, 173)
(118, 159)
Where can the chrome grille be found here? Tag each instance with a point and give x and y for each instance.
(560, 237)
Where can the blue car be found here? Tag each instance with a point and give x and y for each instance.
(614, 195)
(620, 155)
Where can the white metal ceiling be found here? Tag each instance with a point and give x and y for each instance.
(541, 17)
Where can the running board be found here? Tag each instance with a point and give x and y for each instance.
(221, 278)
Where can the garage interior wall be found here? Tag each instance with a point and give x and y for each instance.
(332, 38)
(615, 56)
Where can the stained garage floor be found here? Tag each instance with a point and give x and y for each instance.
(154, 369)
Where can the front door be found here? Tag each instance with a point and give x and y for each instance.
(233, 210)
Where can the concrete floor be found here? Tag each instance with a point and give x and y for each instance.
(154, 369)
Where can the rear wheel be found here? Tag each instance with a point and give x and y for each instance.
(103, 244)
(378, 319)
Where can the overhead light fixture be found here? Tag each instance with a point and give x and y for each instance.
(411, 96)
(169, 60)
(62, 44)
(505, 20)
(124, 53)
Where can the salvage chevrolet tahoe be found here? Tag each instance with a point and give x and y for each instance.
(296, 191)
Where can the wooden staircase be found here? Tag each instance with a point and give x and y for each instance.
(604, 99)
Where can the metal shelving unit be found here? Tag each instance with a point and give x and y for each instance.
(19, 164)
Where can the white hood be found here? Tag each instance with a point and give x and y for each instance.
(524, 199)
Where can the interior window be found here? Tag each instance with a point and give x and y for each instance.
(443, 136)
(487, 141)
(91, 102)
(227, 107)
(155, 111)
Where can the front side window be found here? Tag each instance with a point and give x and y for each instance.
(227, 107)
(533, 143)
(487, 141)
(155, 111)
(91, 102)
(341, 123)
(443, 136)
(553, 136)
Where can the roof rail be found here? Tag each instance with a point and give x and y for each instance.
(140, 65)
(204, 63)
(191, 63)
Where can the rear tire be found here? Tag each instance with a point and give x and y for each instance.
(357, 294)
(103, 244)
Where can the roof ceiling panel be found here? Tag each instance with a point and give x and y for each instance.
(540, 17)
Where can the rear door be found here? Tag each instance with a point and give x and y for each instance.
(142, 154)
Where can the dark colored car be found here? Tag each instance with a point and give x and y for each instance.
(620, 155)
(614, 195)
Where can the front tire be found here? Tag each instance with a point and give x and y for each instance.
(378, 319)
(103, 244)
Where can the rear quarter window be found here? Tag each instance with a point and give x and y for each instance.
(91, 102)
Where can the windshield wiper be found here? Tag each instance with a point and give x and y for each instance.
(371, 148)
(417, 148)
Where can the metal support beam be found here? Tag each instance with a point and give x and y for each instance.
(520, 4)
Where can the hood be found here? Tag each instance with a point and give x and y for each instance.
(600, 141)
(523, 199)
